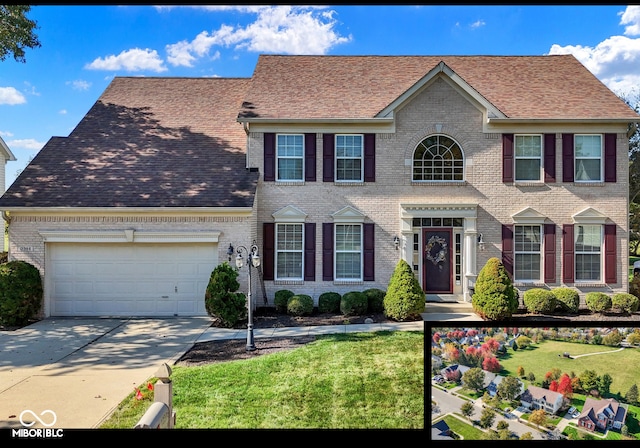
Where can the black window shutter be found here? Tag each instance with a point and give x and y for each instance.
(310, 157)
(310, 251)
(327, 251)
(268, 249)
(567, 254)
(368, 230)
(369, 157)
(610, 157)
(610, 254)
(328, 151)
(549, 158)
(549, 253)
(507, 248)
(269, 157)
(507, 157)
(567, 158)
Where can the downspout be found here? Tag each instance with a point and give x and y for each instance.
(6, 217)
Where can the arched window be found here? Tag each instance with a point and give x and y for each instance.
(438, 158)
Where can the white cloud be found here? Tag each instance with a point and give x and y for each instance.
(9, 95)
(79, 84)
(62, 111)
(27, 143)
(615, 60)
(277, 29)
(133, 60)
(631, 17)
(478, 24)
(6, 134)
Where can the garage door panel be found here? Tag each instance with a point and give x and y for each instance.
(129, 279)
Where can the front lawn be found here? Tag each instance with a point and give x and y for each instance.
(362, 380)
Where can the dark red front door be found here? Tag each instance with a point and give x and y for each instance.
(437, 260)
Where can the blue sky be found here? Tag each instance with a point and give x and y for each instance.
(85, 47)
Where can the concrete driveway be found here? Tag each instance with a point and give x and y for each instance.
(75, 371)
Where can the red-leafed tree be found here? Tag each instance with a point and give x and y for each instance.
(436, 337)
(490, 345)
(491, 364)
(565, 387)
(453, 375)
(553, 386)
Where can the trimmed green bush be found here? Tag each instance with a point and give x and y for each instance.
(405, 299)
(329, 302)
(375, 299)
(300, 305)
(539, 301)
(567, 299)
(280, 300)
(20, 292)
(625, 303)
(221, 299)
(598, 302)
(354, 303)
(494, 296)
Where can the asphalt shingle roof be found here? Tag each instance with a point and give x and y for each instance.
(350, 87)
(147, 142)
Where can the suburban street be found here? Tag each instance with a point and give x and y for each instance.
(450, 403)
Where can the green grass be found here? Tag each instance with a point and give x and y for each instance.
(361, 380)
(623, 366)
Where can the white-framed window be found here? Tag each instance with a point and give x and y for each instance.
(588, 252)
(289, 251)
(349, 158)
(438, 158)
(348, 252)
(290, 157)
(528, 157)
(527, 241)
(588, 158)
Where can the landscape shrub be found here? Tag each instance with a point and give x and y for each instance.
(405, 299)
(539, 301)
(354, 303)
(280, 300)
(21, 292)
(329, 302)
(375, 299)
(221, 299)
(567, 299)
(598, 302)
(300, 305)
(494, 297)
(625, 303)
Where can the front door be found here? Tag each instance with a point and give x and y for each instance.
(437, 260)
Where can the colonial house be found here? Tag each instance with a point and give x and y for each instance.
(492, 387)
(5, 156)
(602, 414)
(535, 397)
(336, 167)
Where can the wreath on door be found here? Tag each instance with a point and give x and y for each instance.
(436, 250)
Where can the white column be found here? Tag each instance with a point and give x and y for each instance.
(470, 256)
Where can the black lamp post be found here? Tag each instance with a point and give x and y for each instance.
(254, 261)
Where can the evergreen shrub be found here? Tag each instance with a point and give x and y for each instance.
(567, 299)
(404, 299)
(329, 302)
(280, 300)
(222, 300)
(539, 301)
(494, 297)
(598, 302)
(625, 303)
(300, 305)
(375, 299)
(354, 303)
(21, 292)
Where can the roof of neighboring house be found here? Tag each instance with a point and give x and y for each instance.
(540, 393)
(147, 142)
(360, 87)
(592, 407)
(6, 152)
(440, 431)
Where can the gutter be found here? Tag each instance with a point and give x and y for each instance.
(6, 217)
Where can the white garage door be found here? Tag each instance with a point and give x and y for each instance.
(142, 279)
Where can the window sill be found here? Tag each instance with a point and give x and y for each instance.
(589, 285)
(349, 183)
(431, 183)
(523, 284)
(290, 182)
(348, 282)
(520, 183)
(288, 282)
(589, 184)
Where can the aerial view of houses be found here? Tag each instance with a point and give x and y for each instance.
(575, 383)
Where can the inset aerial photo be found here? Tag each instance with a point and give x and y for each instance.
(535, 383)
